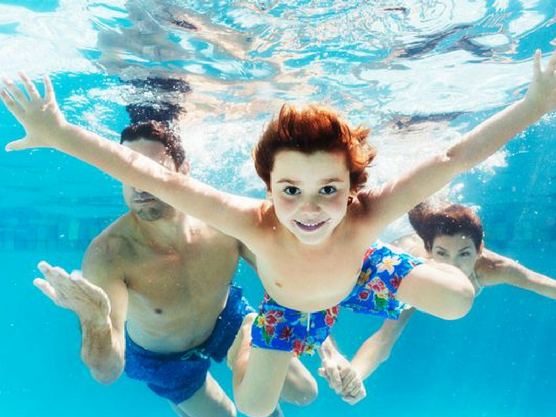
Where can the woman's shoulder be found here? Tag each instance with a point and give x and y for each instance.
(411, 244)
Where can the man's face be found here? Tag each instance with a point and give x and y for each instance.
(143, 204)
(310, 193)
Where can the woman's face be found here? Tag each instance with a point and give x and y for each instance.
(457, 250)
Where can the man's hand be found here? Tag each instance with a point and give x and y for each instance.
(541, 95)
(40, 117)
(342, 377)
(74, 292)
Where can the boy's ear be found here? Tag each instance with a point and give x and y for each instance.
(269, 195)
(481, 247)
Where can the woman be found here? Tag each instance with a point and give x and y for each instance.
(448, 233)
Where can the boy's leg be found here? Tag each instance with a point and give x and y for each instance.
(210, 400)
(299, 388)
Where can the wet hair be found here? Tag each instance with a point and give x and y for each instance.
(157, 132)
(310, 130)
(430, 222)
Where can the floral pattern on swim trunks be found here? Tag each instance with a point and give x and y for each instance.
(383, 269)
(281, 328)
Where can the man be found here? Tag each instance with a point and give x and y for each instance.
(155, 297)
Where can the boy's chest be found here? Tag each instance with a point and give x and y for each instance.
(310, 280)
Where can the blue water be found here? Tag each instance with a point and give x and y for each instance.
(451, 64)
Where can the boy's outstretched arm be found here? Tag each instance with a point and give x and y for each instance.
(45, 126)
(399, 196)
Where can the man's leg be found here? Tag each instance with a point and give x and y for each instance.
(300, 387)
(210, 400)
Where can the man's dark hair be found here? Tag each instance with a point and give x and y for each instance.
(156, 132)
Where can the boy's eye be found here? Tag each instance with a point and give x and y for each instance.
(441, 253)
(327, 190)
(465, 254)
(290, 190)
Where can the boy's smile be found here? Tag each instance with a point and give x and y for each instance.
(310, 193)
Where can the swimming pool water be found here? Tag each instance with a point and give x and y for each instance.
(445, 65)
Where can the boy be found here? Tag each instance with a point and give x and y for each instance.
(309, 241)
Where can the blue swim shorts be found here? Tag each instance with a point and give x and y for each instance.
(177, 376)
(281, 328)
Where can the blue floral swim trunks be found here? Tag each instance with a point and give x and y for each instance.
(280, 328)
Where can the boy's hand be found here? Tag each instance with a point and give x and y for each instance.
(342, 377)
(541, 95)
(40, 117)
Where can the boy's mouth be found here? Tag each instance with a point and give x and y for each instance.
(309, 226)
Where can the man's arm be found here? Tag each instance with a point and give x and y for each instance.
(399, 196)
(502, 270)
(102, 347)
(103, 341)
(45, 126)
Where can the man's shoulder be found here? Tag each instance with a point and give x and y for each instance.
(113, 244)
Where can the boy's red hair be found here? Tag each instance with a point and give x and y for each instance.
(310, 130)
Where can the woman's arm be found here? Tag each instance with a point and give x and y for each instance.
(496, 269)
(377, 348)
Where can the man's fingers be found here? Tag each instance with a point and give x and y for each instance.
(45, 288)
(15, 91)
(29, 87)
(12, 106)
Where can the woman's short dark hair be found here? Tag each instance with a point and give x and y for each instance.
(430, 222)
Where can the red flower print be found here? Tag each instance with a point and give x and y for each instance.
(270, 330)
(286, 333)
(368, 253)
(364, 295)
(377, 285)
(395, 282)
(298, 347)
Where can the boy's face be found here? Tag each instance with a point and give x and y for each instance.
(310, 193)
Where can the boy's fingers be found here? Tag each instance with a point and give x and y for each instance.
(12, 106)
(48, 89)
(15, 91)
(17, 145)
(551, 64)
(29, 87)
(537, 64)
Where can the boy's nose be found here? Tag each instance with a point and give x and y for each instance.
(310, 207)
